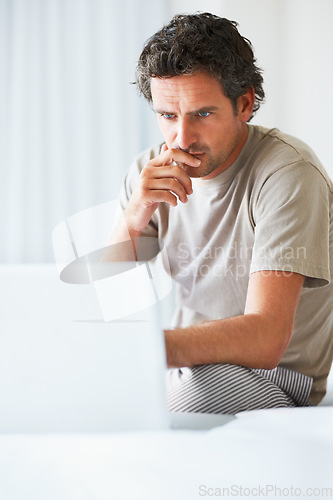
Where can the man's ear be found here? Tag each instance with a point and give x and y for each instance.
(245, 104)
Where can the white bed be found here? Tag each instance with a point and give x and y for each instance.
(283, 449)
(275, 453)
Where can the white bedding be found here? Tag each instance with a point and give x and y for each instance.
(290, 451)
(273, 453)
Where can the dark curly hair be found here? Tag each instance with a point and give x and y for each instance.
(202, 42)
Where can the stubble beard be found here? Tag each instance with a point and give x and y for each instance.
(210, 162)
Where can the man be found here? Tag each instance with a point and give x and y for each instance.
(246, 217)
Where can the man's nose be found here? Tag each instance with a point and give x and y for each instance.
(185, 134)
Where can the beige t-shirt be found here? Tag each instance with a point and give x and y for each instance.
(270, 210)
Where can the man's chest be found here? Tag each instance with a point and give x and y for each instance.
(209, 245)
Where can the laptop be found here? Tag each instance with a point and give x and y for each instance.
(63, 368)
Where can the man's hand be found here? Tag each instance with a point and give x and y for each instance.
(161, 180)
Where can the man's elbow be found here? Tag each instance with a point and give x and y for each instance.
(274, 350)
(270, 362)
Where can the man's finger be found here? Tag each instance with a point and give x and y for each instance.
(150, 172)
(178, 156)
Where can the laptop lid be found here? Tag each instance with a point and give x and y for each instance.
(64, 369)
(75, 374)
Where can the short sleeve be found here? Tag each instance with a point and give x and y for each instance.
(129, 182)
(292, 224)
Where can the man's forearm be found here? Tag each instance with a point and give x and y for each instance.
(250, 340)
(121, 245)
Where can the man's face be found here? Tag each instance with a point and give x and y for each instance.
(195, 115)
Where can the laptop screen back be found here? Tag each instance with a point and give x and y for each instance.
(76, 375)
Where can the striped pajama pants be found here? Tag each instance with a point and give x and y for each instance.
(229, 389)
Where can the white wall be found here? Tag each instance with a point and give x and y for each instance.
(70, 122)
(293, 42)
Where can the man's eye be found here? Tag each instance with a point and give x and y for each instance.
(168, 116)
(204, 114)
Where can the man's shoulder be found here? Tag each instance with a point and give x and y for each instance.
(146, 155)
(140, 160)
(274, 150)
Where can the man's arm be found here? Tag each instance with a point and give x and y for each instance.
(256, 339)
(161, 180)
